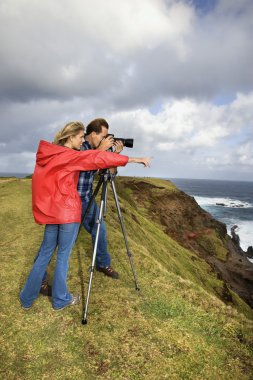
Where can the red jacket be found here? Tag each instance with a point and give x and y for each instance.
(55, 199)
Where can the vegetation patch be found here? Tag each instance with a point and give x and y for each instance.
(175, 327)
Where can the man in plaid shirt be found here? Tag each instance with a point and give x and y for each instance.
(96, 138)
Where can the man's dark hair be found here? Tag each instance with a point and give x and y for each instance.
(96, 126)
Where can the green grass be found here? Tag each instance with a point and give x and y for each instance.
(175, 327)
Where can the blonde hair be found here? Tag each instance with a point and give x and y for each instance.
(70, 129)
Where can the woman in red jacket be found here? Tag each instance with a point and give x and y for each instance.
(57, 204)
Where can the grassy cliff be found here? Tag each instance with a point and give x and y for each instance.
(182, 324)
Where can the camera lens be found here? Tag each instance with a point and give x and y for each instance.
(128, 143)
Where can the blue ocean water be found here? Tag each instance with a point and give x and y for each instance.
(230, 202)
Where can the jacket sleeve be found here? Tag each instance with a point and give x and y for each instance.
(92, 160)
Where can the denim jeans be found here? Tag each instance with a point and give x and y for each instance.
(63, 235)
(103, 258)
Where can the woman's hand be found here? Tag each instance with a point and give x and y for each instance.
(140, 160)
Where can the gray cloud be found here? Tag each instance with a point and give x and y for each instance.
(52, 50)
(64, 61)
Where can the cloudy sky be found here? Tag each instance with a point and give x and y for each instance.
(175, 75)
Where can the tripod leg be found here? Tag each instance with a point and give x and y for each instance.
(105, 205)
(129, 254)
(101, 210)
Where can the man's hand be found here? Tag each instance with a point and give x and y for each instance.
(106, 143)
(118, 146)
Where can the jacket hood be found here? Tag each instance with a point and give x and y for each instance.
(47, 151)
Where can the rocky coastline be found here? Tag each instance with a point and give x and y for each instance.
(194, 228)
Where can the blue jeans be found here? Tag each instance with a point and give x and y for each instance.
(63, 235)
(103, 258)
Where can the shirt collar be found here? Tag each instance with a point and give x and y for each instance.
(86, 144)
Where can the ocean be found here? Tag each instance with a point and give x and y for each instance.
(230, 202)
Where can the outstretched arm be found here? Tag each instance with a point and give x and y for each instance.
(140, 160)
(108, 142)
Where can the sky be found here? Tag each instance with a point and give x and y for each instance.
(174, 75)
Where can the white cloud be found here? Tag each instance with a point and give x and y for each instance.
(187, 123)
(245, 154)
(199, 133)
(135, 24)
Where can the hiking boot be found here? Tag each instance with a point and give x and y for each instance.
(108, 271)
(46, 289)
(75, 301)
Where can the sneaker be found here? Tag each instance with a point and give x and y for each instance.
(108, 271)
(46, 289)
(75, 301)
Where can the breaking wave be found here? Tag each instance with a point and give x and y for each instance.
(222, 202)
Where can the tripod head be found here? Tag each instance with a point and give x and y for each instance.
(107, 174)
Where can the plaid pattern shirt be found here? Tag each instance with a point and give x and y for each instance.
(85, 181)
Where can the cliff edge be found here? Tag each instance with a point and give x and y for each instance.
(195, 229)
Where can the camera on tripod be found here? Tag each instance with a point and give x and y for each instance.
(128, 143)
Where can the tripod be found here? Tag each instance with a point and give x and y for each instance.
(105, 176)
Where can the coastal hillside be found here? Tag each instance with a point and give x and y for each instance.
(191, 319)
(181, 218)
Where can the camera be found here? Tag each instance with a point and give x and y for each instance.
(128, 143)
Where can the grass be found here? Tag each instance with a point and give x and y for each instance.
(175, 327)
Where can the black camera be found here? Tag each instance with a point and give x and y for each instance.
(128, 143)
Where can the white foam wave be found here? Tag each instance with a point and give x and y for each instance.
(251, 260)
(245, 232)
(222, 202)
(245, 227)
